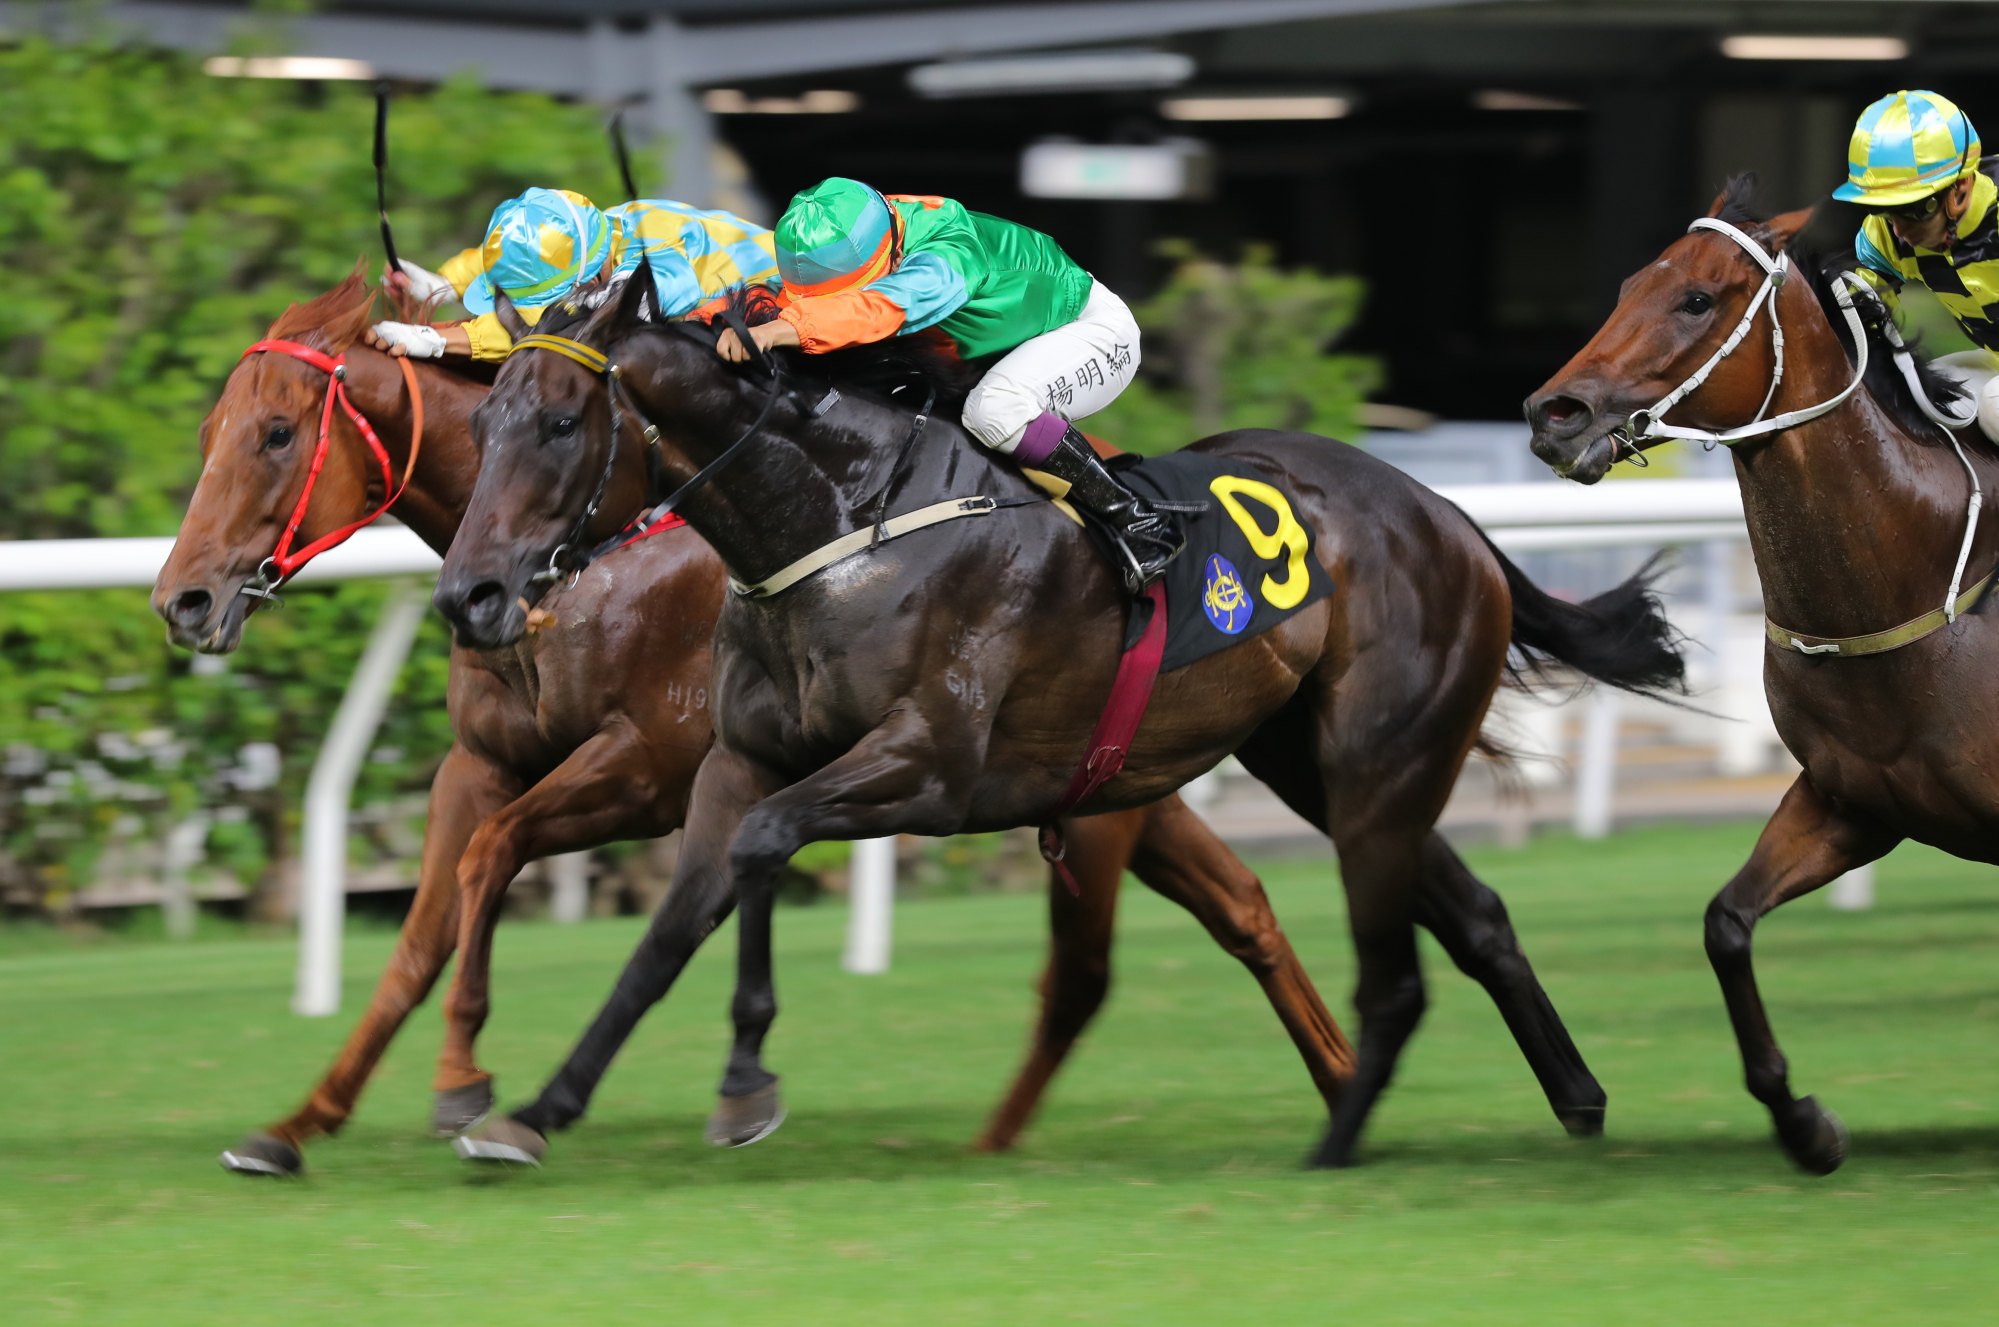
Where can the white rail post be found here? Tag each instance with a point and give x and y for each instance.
(871, 903)
(1854, 891)
(569, 886)
(1596, 765)
(322, 890)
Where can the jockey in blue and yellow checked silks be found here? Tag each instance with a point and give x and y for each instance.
(1933, 218)
(543, 246)
(859, 266)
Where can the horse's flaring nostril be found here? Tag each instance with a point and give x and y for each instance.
(190, 608)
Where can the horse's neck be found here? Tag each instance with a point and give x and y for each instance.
(807, 479)
(440, 487)
(1854, 525)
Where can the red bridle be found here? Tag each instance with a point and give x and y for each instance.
(285, 561)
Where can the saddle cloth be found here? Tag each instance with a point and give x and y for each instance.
(1249, 562)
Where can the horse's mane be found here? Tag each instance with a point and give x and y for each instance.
(1884, 380)
(902, 370)
(332, 321)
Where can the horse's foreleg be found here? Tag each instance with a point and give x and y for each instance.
(1078, 975)
(1805, 845)
(1181, 858)
(725, 788)
(465, 791)
(603, 787)
(886, 783)
(1469, 920)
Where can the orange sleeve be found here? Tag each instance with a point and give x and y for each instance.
(851, 318)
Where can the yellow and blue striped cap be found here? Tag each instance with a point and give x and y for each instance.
(1905, 147)
(539, 246)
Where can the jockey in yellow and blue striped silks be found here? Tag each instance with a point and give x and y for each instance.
(1932, 218)
(543, 246)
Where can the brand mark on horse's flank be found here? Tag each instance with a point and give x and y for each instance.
(965, 688)
(696, 697)
(1225, 600)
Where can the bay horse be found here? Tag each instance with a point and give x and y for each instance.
(1855, 502)
(944, 682)
(590, 731)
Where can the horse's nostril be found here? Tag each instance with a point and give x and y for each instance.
(1560, 414)
(190, 608)
(485, 602)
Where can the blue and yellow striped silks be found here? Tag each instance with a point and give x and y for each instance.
(1905, 147)
(696, 255)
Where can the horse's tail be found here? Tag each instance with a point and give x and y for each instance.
(1621, 637)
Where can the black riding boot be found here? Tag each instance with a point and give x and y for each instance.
(1147, 539)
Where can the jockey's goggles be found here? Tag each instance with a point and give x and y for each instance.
(1920, 210)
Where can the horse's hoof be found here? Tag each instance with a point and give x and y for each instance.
(506, 1141)
(992, 1144)
(1813, 1136)
(460, 1109)
(1582, 1121)
(740, 1121)
(264, 1155)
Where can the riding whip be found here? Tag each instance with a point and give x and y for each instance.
(624, 158)
(382, 173)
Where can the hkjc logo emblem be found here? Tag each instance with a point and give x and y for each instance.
(1225, 599)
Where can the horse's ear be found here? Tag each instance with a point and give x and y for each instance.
(509, 316)
(639, 299)
(1720, 201)
(1781, 230)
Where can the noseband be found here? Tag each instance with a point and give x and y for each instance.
(283, 562)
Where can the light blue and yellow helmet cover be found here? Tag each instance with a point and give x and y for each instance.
(539, 246)
(1905, 147)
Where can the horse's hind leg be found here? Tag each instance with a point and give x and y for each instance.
(465, 791)
(1806, 844)
(1469, 920)
(1078, 975)
(1379, 867)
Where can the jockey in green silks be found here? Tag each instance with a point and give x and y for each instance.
(545, 245)
(1933, 218)
(859, 266)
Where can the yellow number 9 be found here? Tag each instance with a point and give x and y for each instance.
(1289, 538)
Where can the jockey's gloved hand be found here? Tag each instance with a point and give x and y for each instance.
(425, 284)
(417, 340)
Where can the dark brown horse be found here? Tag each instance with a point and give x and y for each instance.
(591, 731)
(947, 681)
(1855, 520)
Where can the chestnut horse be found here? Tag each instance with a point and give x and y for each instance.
(591, 731)
(946, 681)
(1856, 506)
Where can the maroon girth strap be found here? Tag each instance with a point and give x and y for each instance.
(1131, 692)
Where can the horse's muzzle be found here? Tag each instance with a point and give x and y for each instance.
(482, 613)
(1570, 436)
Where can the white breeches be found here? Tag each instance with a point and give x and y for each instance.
(1978, 370)
(1073, 370)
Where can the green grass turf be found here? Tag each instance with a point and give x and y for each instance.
(1162, 1184)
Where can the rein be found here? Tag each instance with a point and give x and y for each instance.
(1647, 424)
(284, 561)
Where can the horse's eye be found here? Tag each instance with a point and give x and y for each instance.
(562, 426)
(278, 437)
(1697, 302)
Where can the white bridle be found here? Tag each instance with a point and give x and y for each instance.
(1644, 425)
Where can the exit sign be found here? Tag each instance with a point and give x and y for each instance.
(1155, 171)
